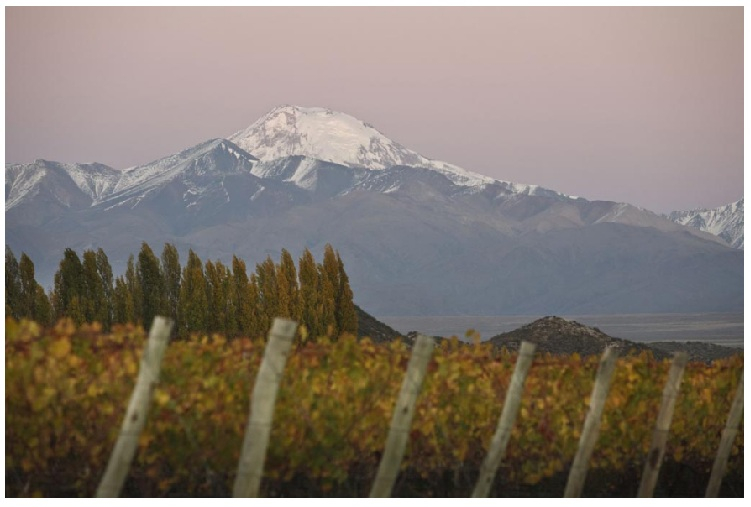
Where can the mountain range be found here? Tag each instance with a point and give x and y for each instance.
(417, 236)
(725, 221)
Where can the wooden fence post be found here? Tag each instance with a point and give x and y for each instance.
(591, 430)
(726, 444)
(401, 420)
(256, 440)
(138, 408)
(497, 448)
(662, 428)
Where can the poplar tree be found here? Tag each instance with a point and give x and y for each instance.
(309, 294)
(268, 290)
(12, 284)
(218, 298)
(289, 293)
(154, 300)
(327, 306)
(334, 304)
(209, 277)
(27, 298)
(171, 270)
(75, 310)
(32, 302)
(230, 311)
(133, 285)
(346, 315)
(193, 300)
(104, 270)
(93, 300)
(122, 303)
(241, 296)
(260, 323)
(42, 307)
(69, 287)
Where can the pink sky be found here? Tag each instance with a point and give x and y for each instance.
(641, 105)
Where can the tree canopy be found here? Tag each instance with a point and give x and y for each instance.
(202, 297)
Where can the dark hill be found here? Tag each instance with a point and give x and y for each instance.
(377, 331)
(560, 336)
(697, 351)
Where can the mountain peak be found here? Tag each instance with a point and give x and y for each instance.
(212, 156)
(331, 136)
(322, 134)
(724, 221)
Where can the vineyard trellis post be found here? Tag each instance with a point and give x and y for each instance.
(578, 472)
(138, 408)
(497, 448)
(726, 443)
(662, 427)
(256, 440)
(401, 420)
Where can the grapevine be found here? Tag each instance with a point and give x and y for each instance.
(67, 388)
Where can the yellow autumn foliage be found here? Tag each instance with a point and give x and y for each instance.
(67, 389)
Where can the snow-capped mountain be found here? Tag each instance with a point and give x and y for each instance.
(725, 221)
(322, 134)
(418, 237)
(200, 169)
(67, 184)
(289, 144)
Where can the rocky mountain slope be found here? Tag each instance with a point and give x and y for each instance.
(561, 336)
(377, 331)
(418, 237)
(725, 221)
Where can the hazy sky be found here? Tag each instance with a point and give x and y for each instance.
(642, 105)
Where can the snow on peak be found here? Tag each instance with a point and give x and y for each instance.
(331, 136)
(321, 134)
(160, 171)
(22, 180)
(95, 180)
(724, 221)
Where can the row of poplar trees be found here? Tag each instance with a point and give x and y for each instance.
(200, 297)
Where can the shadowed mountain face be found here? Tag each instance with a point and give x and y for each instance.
(418, 237)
